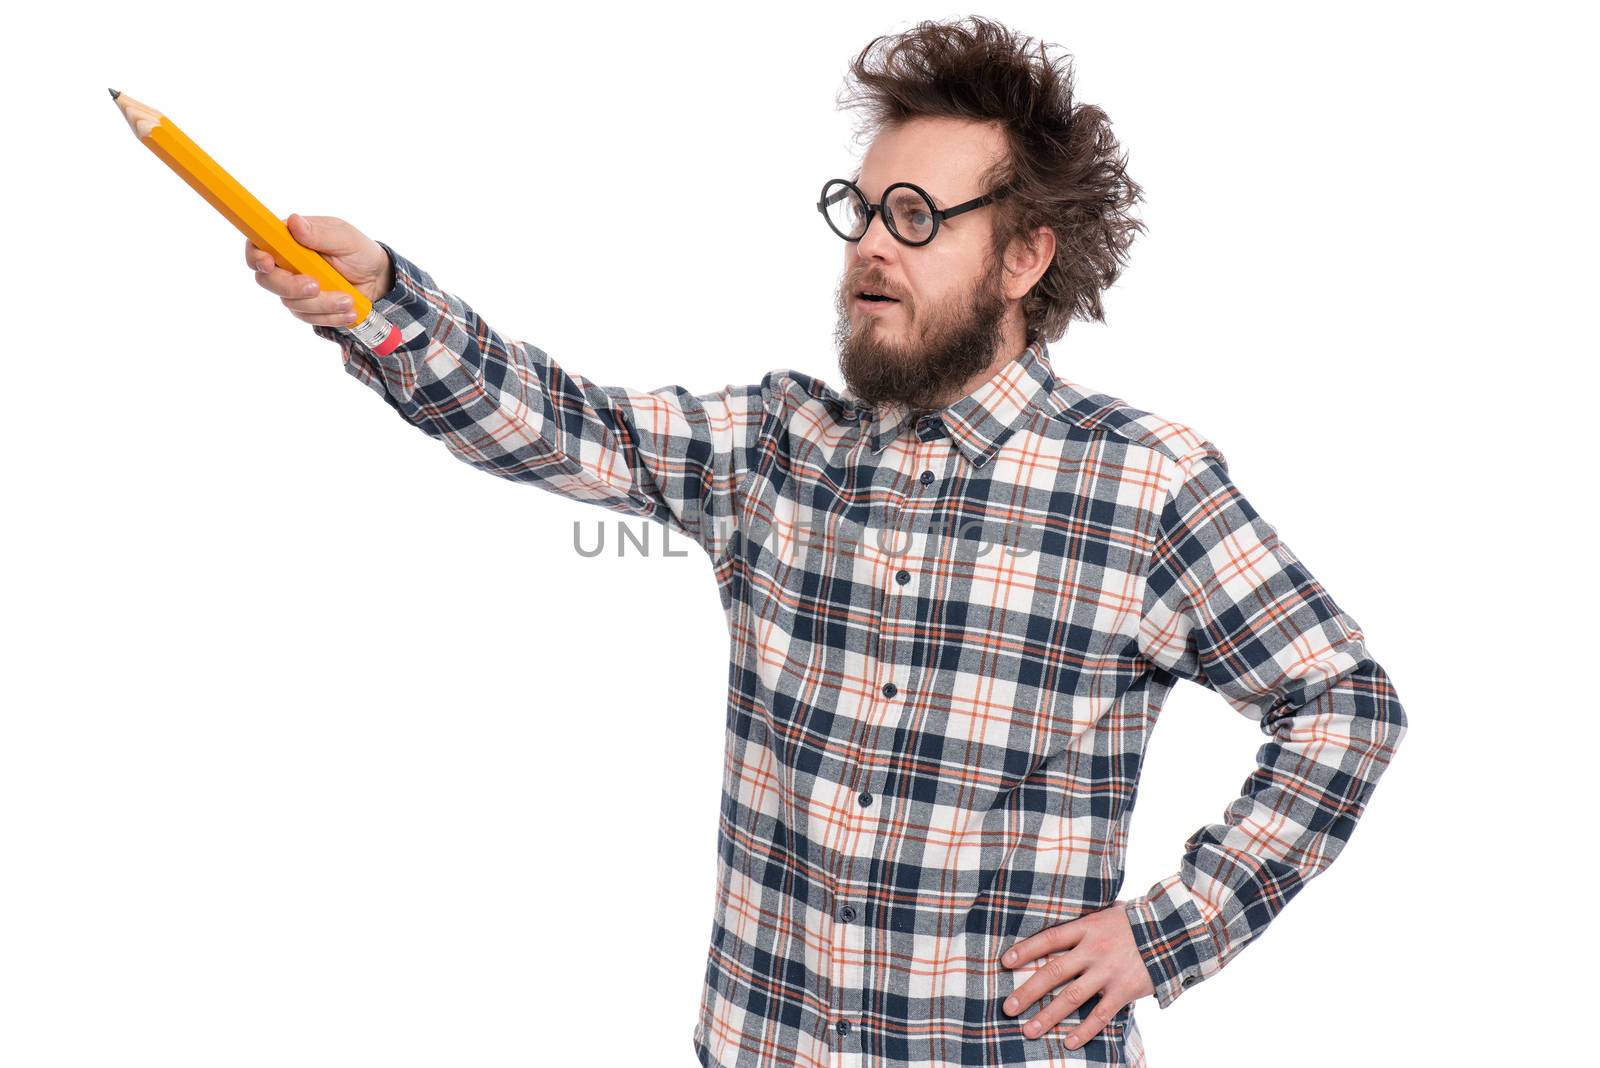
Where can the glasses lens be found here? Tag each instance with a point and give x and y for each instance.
(847, 212)
(911, 214)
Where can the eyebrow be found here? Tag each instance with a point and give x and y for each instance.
(856, 178)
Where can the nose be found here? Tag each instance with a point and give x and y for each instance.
(877, 239)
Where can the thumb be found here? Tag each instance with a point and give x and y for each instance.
(323, 233)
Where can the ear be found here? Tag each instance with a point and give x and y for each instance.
(1027, 258)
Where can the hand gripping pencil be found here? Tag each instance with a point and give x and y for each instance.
(265, 230)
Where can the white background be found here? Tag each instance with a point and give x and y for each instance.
(321, 748)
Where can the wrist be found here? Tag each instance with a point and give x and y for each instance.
(385, 280)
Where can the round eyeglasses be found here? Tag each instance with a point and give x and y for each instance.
(908, 212)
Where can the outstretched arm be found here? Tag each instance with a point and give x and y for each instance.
(508, 408)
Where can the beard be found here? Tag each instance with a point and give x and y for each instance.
(884, 361)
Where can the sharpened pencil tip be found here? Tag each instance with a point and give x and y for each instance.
(114, 93)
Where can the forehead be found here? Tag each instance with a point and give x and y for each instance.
(944, 156)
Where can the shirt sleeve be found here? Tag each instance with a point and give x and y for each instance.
(508, 408)
(1228, 605)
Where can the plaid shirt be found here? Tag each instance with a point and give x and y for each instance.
(951, 635)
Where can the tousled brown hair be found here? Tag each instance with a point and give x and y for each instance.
(1062, 165)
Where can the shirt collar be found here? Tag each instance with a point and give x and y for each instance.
(980, 422)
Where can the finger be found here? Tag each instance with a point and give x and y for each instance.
(341, 318)
(1062, 936)
(325, 233)
(1062, 1005)
(285, 283)
(303, 295)
(257, 258)
(325, 309)
(288, 284)
(1049, 975)
(1096, 1021)
(344, 320)
(311, 303)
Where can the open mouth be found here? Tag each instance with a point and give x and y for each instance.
(869, 299)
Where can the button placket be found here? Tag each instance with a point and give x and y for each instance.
(849, 994)
(930, 441)
(895, 621)
(896, 545)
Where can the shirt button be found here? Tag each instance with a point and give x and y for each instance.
(847, 914)
(903, 577)
(844, 1027)
(1188, 980)
(927, 477)
(865, 799)
(890, 689)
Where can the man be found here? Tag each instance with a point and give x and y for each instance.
(959, 592)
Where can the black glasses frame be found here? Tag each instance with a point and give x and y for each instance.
(824, 201)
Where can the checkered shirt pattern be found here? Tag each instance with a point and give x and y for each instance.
(951, 633)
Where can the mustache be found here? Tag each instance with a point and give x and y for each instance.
(870, 285)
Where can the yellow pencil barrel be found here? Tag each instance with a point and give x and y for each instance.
(264, 229)
(251, 218)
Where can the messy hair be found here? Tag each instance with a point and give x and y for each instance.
(1062, 163)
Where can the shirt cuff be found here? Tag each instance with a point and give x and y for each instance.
(406, 306)
(1174, 939)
